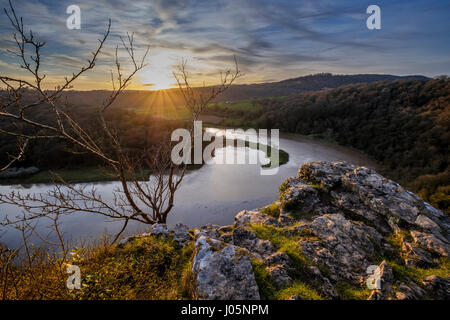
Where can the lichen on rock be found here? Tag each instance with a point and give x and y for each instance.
(223, 271)
(336, 221)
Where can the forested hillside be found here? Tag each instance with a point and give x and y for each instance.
(404, 125)
(169, 98)
(136, 131)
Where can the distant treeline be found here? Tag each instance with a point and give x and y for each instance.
(136, 131)
(403, 124)
(172, 97)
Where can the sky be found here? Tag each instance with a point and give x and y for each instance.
(272, 40)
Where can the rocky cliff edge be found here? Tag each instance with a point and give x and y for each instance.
(338, 231)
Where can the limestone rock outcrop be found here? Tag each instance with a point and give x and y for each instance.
(223, 271)
(339, 228)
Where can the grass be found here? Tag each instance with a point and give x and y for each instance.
(284, 186)
(272, 210)
(348, 292)
(79, 175)
(265, 283)
(303, 284)
(143, 268)
(269, 291)
(285, 243)
(403, 272)
(300, 289)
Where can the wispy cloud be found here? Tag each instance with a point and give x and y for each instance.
(272, 39)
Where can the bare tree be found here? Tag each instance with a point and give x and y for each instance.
(147, 202)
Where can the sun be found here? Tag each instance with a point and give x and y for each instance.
(162, 81)
(154, 80)
(158, 74)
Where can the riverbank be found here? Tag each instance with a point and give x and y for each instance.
(70, 175)
(98, 174)
(332, 144)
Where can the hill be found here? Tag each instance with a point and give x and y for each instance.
(166, 99)
(315, 82)
(403, 124)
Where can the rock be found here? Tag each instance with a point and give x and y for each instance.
(226, 233)
(409, 291)
(209, 230)
(416, 256)
(248, 240)
(159, 229)
(438, 286)
(279, 276)
(299, 195)
(286, 218)
(363, 192)
(349, 202)
(223, 271)
(226, 237)
(244, 218)
(431, 242)
(385, 276)
(181, 234)
(325, 287)
(342, 218)
(426, 223)
(124, 241)
(325, 174)
(225, 229)
(344, 246)
(278, 258)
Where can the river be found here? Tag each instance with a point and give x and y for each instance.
(212, 194)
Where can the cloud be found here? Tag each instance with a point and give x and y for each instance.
(272, 39)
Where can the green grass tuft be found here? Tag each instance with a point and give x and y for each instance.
(347, 291)
(272, 210)
(301, 289)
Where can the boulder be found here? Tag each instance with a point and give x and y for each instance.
(208, 230)
(223, 271)
(279, 275)
(299, 195)
(159, 229)
(181, 233)
(278, 258)
(385, 276)
(247, 239)
(343, 219)
(363, 192)
(245, 218)
(344, 246)
(431, 242)
(409, 291)
(416, 256)
(439, 287)
(324, 284)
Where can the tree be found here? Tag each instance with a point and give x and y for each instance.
(147, 202)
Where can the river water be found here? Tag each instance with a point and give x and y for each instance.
(215, 193)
